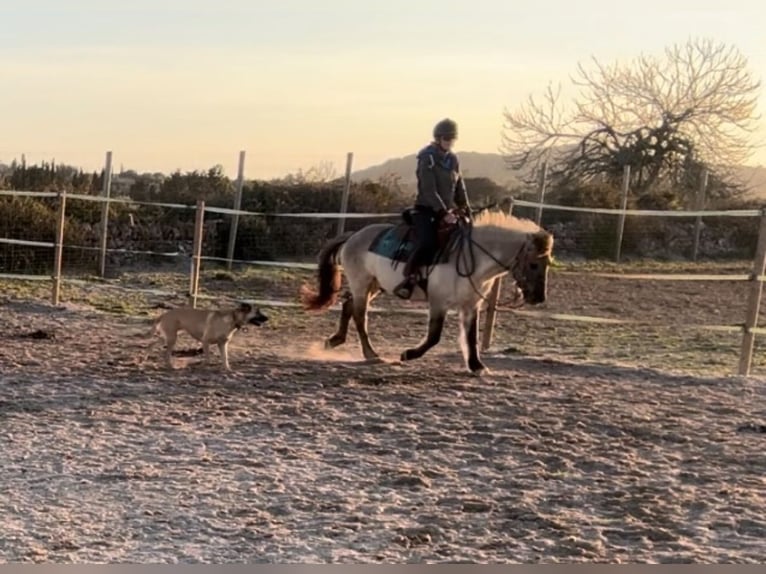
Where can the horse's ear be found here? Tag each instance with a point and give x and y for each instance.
(543, 242)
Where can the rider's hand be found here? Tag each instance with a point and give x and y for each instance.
(449, 218)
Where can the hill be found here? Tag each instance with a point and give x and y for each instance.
(493, 166)
(473, 164)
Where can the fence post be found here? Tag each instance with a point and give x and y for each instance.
(58, 251)
(107, 193)
(237, 207)
(543, 184)
(623, 206)
(489, 321)
(346, 192)
(199, 223)
(699, 206)
(754, 300)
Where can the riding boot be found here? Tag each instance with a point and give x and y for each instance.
(407, 286)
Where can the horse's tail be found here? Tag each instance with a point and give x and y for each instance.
(329, 277)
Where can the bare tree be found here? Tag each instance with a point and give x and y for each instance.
(665, 116)
(323, 172)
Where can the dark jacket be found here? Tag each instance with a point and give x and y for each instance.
(439, 176)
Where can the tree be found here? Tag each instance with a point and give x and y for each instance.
(667, 116)
(323, 172)
(484, 191)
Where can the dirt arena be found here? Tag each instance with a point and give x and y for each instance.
(608, 443)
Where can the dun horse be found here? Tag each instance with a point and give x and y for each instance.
(459, 278)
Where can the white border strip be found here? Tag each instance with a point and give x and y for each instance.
(657, 277)
(564, 317)
(21, 193)
(27, 243)
(17, 277)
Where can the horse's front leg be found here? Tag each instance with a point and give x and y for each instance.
(435, 327)
(347, 311)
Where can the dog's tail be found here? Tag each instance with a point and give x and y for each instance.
(329, 277)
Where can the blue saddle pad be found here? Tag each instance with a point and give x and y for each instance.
(390, 244)
(396, 243)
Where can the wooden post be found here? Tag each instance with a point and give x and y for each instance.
(699, 206)
(58, 250)
(107, 192)
(199, 223)
(623, 206)
(754, 300)
(543, 184)
(489, 321)
(346, 192)
(237, 207)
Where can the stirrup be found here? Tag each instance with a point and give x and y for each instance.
(405, 288)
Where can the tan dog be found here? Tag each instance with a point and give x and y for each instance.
(206, 326)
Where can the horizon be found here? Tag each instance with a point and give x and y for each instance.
(187, 85)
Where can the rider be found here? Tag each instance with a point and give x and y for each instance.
(440, 188)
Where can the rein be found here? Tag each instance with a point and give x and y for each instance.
(469, 260)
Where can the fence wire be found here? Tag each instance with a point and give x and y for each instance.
(145, 238)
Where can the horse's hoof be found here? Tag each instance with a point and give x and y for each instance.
(332, 343)
(478, 370)
(407, 356)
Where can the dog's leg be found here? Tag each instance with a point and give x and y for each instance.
(224, 350)
(170, 343)
(206, 353)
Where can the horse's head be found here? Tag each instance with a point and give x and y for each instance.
(530, 270)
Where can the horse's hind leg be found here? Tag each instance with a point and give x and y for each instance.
(359, 303)
(347, 311)
(469, 322)
(436, 317)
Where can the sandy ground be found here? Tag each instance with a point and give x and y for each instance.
(303, 456)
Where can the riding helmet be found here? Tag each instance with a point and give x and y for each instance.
(446, 128)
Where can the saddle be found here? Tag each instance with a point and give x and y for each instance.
(396, 242)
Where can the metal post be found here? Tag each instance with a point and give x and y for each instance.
(699, 206)
(346, 192)
(237, 207)
(199, 223)
(624, 206)
(489, 322)
(58, 251)
(754, 300)
(107, 192)
(541, 192)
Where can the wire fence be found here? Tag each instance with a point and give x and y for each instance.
(190, 238)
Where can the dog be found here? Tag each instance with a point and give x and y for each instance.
(206, 326)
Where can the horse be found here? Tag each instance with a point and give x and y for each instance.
(473, 255)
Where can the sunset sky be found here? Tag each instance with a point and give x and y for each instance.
(186, 84)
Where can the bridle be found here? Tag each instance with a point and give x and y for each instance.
(513, 267)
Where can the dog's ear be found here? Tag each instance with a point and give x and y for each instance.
(245, 308)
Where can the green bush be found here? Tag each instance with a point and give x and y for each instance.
(32, 219)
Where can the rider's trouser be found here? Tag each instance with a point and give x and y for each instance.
(426, 223)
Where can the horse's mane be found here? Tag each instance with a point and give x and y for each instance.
(504, 221)
(500, 220)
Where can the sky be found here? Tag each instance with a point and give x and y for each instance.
(187, 84)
